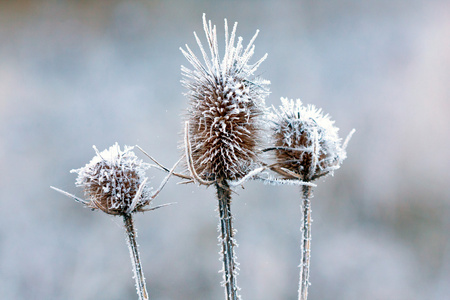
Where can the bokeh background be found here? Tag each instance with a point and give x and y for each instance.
(79, 73)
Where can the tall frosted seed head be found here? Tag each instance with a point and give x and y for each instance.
(306, 141)
(226, 106)
(114, 181)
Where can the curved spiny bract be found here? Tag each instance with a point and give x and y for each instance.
(226, 107)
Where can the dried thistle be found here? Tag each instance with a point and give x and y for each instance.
(226, 107)
(223, 126)
(306, 142)
(307, 147)
(114, 181)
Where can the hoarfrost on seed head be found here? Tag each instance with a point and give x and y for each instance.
(112, 179)
(226, 110)
(306, 140)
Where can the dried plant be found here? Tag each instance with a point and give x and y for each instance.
(306, 147)
(223, 126)
(114, 182)
(223, 144)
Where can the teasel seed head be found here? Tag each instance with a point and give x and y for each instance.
(225, 117)
(114, 181)
(306, 142)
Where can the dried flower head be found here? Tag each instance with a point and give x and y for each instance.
(306, 141)
(226, 107)
(114, 181)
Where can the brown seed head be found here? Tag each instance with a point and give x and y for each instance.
(226, 107)
(114, 181)
(306, 142)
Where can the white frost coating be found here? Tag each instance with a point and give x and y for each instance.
(248, 176)
(228, 73)
(117, 173)
(296, 113)
(293, 120)
(225, 97)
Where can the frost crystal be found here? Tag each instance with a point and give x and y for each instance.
(226, 106)
(114, 181)
(306, 141)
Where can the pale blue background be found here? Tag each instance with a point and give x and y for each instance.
(78, 73)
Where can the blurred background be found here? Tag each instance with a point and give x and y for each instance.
(79, 73)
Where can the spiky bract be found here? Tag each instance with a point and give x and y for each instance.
(306, 141)
(114, 181)
(226, 106)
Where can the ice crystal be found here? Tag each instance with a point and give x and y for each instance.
(114, 181)
(226, 106)
(306, 142)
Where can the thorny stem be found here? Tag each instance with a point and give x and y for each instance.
(227, 241)
(306, 243)
(134, 253)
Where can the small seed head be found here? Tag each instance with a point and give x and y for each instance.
(112, 179)
(306, 141)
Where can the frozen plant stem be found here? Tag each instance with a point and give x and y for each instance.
(307, 147)
(134, 253)
(114, 182)
(227, 240)
(306, 244)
